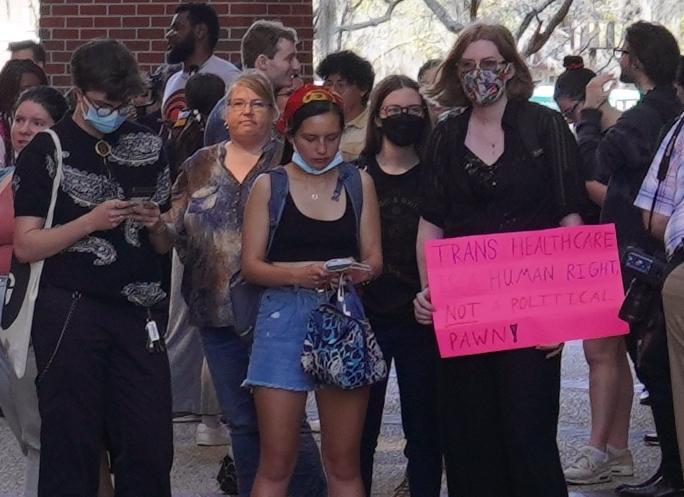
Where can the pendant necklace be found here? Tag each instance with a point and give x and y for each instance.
(104, 149)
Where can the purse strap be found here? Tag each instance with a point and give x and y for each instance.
(57, 180)
(341, 304)
(663, 168)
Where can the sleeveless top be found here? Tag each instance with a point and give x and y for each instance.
(299, 238)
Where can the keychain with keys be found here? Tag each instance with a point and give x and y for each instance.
(154, 343)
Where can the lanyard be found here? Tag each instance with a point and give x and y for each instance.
(664, 166)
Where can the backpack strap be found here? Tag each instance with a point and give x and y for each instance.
(349, 178)
(276, 204)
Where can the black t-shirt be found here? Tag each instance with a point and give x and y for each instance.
(116, 264)
(464, 196)
(390, 296)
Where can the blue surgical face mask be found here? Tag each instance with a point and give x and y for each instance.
(304, 166)
(104, 125)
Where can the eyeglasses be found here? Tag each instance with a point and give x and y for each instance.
(411, 110)
(485, 65)
(619, 52)
(107, 110)
(340, 86)
(568, 113)
(254, 105)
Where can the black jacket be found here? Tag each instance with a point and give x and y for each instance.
(450, 203)
(621, 157)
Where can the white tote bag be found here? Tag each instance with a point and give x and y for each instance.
(22, 289)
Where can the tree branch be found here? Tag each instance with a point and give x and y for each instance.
(587, 44)
(372, 22)
(345, 14)
(529, 17)
(539, 38)
(474, 8)
(445, 18)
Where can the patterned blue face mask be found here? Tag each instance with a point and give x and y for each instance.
(104, 125)
(304, 166)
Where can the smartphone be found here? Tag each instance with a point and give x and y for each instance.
(141, 194)
(344, 264)
(338, 265)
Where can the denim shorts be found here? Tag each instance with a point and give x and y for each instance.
(275, 361)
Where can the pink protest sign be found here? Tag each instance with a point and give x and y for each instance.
(517, 290)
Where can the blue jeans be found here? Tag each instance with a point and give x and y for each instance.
(413, 349)
(228, 359)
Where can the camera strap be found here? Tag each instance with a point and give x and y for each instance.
(664, 166)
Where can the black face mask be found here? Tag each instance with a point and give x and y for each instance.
(403, 129)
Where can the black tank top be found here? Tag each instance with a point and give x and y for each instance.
(300, 238)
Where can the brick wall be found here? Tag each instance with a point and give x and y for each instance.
(141, 24)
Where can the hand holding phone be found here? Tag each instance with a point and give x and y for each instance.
(349, 270)
(344, 264)
(146, 213)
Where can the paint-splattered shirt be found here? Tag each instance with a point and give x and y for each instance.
(208, 207)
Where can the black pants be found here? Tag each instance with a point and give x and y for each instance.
(654, 368)
(500, 417)
(102, 383)
(414, 351)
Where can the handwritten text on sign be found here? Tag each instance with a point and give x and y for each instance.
(516, 290)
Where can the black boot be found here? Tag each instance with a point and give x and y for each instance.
(657, 476)
(662, 487)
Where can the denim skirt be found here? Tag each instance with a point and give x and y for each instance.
(281, 325)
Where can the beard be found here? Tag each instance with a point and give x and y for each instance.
(626, 75)
(181, 51)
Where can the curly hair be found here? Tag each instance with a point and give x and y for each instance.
(352, 67)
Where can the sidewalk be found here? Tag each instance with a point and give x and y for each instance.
(195, 467)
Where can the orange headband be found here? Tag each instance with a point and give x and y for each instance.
(307, 94)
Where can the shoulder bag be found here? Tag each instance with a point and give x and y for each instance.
(340, 348)
(22, 288)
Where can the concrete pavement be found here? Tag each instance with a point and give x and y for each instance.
(195, 467)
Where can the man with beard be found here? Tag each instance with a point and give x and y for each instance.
(192, 38)
(648, 59)
(271, 48)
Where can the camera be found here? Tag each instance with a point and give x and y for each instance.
(647, 282)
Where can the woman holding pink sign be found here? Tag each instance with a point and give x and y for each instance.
(496, 164)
